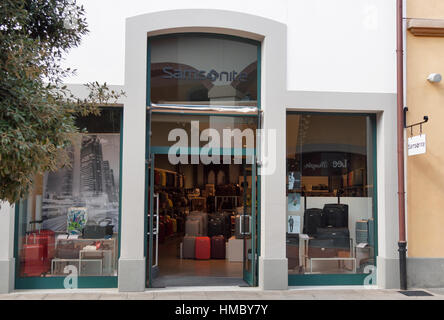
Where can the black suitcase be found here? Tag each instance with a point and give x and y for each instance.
(336, 215)
(313, 219)
(215, 227)
(98, 231)
(340, 236)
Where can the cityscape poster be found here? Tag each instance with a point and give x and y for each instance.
(91, 181)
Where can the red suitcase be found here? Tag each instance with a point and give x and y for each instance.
(35, 261)
(218, 247)
(203, 248)
(50, 240)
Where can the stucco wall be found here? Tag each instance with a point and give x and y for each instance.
(340, 45)
(425, 182)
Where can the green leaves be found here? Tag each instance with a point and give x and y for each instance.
(37, 112)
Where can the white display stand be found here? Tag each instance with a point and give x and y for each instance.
(235, 250)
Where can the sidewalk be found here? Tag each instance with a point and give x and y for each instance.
(226, 293)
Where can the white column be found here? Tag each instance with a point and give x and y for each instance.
(132, 267)
(387, 173)
(273, 263)
(7, 261)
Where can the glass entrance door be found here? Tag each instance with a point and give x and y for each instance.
(241, 173)
(247, 221)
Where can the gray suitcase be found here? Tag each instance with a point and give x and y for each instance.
(192, 227)
(204, 221)
(199, 219)
(189, 247)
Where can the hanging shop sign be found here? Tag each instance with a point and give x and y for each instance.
(417, 145)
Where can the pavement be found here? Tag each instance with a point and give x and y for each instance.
(225, 293)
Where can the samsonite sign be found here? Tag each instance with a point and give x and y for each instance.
(417, 145)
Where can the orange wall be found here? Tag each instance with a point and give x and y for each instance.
(425, 179)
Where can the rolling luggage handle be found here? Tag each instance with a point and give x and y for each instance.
(241, 225)
(34, 223)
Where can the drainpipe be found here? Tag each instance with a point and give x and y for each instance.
(402, 243)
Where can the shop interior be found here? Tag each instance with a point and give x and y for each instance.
(330, 195)
(197, 239)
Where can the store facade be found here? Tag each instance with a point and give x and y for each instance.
(315, 149)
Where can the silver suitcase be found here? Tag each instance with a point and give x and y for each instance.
(188, 247)
(192, 228)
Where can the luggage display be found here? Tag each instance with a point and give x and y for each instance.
(204, 221)
(313, 219)
(320, 248)
(340, 236)
(161, 232)
(174, 221)
(168, 227)
(67, 250)
(203, 248)
(227, 223)
(362, 231)
(215, 227)
(371, 232)
(218, 247)
(35, 256)
(189, 247)
(180, 224)
(101, 230)
(49, 236)
(336, 215)
(192, 228)
(244, 221)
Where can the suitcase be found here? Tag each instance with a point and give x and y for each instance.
(35, 261)
(204, 221)
(340, 236)
(203, 248)
(313, 219)
(336, 215)
(168, 227)
(227, 223)
(215, 227)
(245, 221)
(161, 232)
(218, 247)
(67, 250)
(180, 224)
(200, 219)
(94, 231)
(174, 221)
(50, 241)
(189, 247)
(362, 231)
(321, 248)
(192, 228)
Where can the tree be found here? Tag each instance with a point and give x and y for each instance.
(37, 112)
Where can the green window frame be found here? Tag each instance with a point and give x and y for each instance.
(93, 282)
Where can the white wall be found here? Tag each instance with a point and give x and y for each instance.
(340, 45)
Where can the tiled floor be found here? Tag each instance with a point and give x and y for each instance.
(218, 293)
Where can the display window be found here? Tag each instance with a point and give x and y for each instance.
(203, 69)
(69, 223)
(331, 195)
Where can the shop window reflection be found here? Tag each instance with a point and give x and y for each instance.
(71, 216)
(330, 190)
